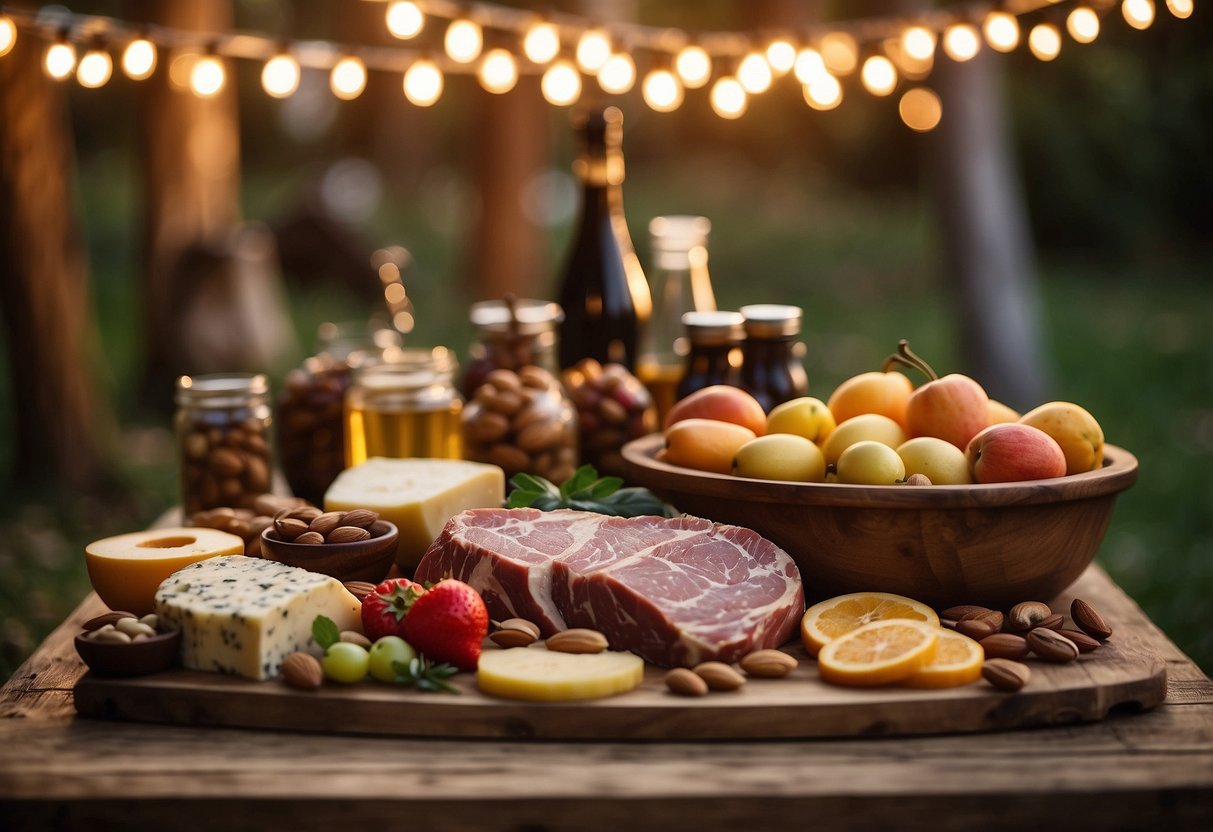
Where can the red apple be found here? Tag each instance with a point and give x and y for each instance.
(722, 403)
(1013, 452)
(954, 408)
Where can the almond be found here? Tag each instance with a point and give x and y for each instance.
(963, 611)
(975, 629)
(111, 618)
(1005, 674)
(577, 640)
(305, 513)
(1053, 622)
(994, 618)
(520, 624)
(359, 589)
(1051, 645)
(1089, 621)
(1004, 646)
(310, 538)
(363, 518)
(1083, 641)
(302, 671)
(768, 664)
(719, 676)
(225, 463)
(289, 528)
(326, 522)
(1027, 615)
(347, 534)
(918, 479)
(685, 682)
(354, 637)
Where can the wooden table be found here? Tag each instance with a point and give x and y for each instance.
(1131, 771)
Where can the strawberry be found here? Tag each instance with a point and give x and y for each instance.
(448, 623)
(384, 607)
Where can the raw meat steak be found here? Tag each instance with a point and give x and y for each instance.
(676, 592)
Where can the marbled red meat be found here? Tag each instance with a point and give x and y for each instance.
(676, 592)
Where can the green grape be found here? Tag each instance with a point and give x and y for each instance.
(345, 662)
(385, 652)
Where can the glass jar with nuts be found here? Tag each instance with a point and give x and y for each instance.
(613, 408)
(223, 434)
(511, 334)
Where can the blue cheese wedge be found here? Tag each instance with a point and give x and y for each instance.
(245, 615)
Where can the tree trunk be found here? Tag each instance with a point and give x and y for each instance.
(62, 419)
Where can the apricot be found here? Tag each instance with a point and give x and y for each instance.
(780, 456)
(721, 403)
(865, 426)
(704, 444)
(885, 393)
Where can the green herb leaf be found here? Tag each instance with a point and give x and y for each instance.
(325, 632)
(423, 675)
(585, 491)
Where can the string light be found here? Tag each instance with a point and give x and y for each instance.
(694, 66)
(618, 75)
(754, 74)
(541, 43)
(405, 20)
(661, 91)
(139, 59)
(561, 84)
(1180, 8)
(1045, 41)
(498, 71)
(728, 98)
(960, 42)
(1001, 31)
(207, 76)
(840, 53)
(280, 76)
(347, 79)
(879, 75)
(781, 55)
(593, 50)
(918, 42)
(1083, 24)
(95, 69)
(463, 41)
(920, 109)
(823, 92)
(60, 60)
(8, 34)
(809, 64)
(1138, 13)
(423, 83)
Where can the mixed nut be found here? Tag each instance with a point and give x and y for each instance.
(247, 523)
(309, 524)
(224, 463)
(119, 627)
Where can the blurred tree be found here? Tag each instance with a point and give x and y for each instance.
(62, 418)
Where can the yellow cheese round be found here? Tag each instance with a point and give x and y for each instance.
(539, 675)
(126, 570)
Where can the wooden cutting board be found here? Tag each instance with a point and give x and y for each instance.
(1114, 678)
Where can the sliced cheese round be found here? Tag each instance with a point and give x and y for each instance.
(126, 570)
(540, 675)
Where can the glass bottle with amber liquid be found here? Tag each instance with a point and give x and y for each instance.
(771, 368)
(603, 291)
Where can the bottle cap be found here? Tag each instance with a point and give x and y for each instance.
(771, 320)
(221, 389)
(532, 316)
(714, 328)
(679, 232)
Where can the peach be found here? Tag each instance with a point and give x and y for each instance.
(723, 404)
(1013, 452)
(954, 408)
(704, 444)
(885, 393)
(1074, 429)
(1000, 413)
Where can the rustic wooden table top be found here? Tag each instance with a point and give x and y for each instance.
(1130, 771)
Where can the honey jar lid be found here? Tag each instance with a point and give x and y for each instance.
(771, 320)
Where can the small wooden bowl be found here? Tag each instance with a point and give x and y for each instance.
(139, 658)
(995, 544)
(361, 560)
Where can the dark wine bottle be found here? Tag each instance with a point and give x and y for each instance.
(603, 292)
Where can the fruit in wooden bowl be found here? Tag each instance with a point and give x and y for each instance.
(368, 559)
(992, 544)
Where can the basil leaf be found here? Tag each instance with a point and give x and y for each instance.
(582, 477)
(325, 632)
(605, 487)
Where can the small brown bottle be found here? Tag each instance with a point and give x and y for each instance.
(715, 355)
(770, 368)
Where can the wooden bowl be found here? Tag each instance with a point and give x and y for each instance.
(360, 560)
(994, 545)
(139, 658)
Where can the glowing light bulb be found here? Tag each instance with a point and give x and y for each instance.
(1138, 13)
(541, 43)
(139, 59)
(1083, 24)
(694, 66)
(618, 75)
(1045, 41)
(823, 92)
(463, 41)
(728, 98)
(840, 52)
(661, 91)
(809, 65)
(8, 34)
(1180, 8)
(879, 75)
(60, 60)
(1001, 31)
(754, 74)
(348, 78)
(498, 71)
(423, 83)
(920, 109)
(95, 69)
(918, 42)
(781, 55)
(207, 76)
(280, 76)
(593, 50)
(960, 42)
(561, 84)
(405, 20)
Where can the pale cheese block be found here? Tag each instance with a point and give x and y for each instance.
(127, 569)
(245, 615)
(539, 675)
(418, 495)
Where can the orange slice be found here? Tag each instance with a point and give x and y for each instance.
(824, 622)
(879, 653)
(958, 661)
